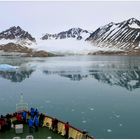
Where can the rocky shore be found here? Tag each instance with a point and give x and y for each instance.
(23, 51)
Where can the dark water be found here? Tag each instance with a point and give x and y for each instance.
(98, 93)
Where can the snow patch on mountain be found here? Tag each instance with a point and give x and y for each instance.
(134, 25)
(23, 42)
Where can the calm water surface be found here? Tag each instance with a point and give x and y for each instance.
(100, 94)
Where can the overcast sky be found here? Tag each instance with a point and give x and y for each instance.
(52, 17)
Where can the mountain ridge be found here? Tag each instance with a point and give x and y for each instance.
(112, 38)
(121, 35)
(16, 32)
(77, 33)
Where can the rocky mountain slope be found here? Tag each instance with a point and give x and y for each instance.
(123, 36)
(16, 35)
(22, 51)
(76, 33)
(16, 40)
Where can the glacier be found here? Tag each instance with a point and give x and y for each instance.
(69, 46)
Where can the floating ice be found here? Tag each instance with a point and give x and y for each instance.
(73, 110)
(117, 116)
(84, 121)
(6, 67)
(109, 130)
(47, 101)
(91, 109)
(82, 112)
(120, 124)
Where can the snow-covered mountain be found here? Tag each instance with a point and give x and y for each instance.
(124, 36)
(76, 33)
(113, 38)
(16, 35)
(16, 41)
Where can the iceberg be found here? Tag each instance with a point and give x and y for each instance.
(6, 67)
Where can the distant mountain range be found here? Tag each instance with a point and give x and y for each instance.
(125, 73)
(76, 33)
(113, 38)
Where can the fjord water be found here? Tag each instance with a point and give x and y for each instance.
(100, 94)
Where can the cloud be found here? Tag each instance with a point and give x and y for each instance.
(46, 16)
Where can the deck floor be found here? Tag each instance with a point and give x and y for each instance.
(43, 133)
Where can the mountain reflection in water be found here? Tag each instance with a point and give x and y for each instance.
(115, 72)
(123, 75)
(16, 76)
(23, 71)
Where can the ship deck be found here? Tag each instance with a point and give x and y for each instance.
(43, 133)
